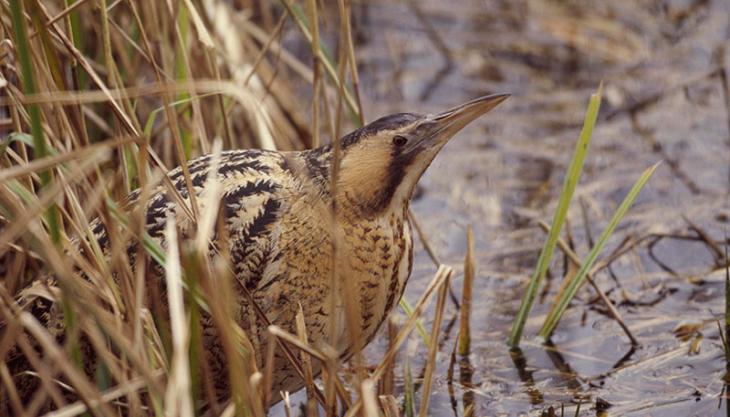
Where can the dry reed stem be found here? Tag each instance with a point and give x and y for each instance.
(438, 282)
(440, 279)
(33, 209)
(207, 43)
(211, 199)
(92, 151)
(287, 352)
(287, 404)
(433, 349)
(423, 237)
(115, 295)
(265, 49)
(326, 355)
(268, 378)
(335, 288)
(326, 64)
(12, 392)
(77, 408)
(344, 7)
(316, 74)
(306, 364)
(297, 342)
(387, 383)
(87, 393)
(370, 402)
(79, 57)
(389, 405)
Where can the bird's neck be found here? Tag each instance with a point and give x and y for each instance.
(359, 189)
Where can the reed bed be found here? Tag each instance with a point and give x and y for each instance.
(98, 99)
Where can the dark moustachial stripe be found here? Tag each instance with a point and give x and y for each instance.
(396, 171)
(318, 160)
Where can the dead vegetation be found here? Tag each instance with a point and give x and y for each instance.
(99, 99)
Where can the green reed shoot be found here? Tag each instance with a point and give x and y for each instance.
(564, 297)
(571, 180)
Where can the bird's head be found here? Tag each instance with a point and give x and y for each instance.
(381, 162)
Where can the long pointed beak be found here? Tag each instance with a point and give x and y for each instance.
(465, 113)
(443, 126)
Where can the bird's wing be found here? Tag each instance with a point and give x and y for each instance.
(254, 189)
(254, 185)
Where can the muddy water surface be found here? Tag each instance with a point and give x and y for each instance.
(665, 99)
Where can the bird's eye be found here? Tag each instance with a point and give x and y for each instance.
(399, 140)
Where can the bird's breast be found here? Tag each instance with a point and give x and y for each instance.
(378, 264)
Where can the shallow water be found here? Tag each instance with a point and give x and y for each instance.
(664, 100)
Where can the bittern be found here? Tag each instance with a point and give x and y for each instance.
(277, 210)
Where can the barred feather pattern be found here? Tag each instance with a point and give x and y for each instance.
(276, 208)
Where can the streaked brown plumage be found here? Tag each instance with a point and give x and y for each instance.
(276, 208)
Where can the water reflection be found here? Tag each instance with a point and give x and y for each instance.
(466, 385)
(525, 375)
(566, 372)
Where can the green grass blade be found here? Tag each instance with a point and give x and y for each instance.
(52, 59)
(151, 246)
(77, 38)
(28, 141)
(21, 192)
(546, 255)
(14, 137)
(409, 395)
(40, 147)
(183, 24)
(561, 304)
(152, 118)
(408, 309)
